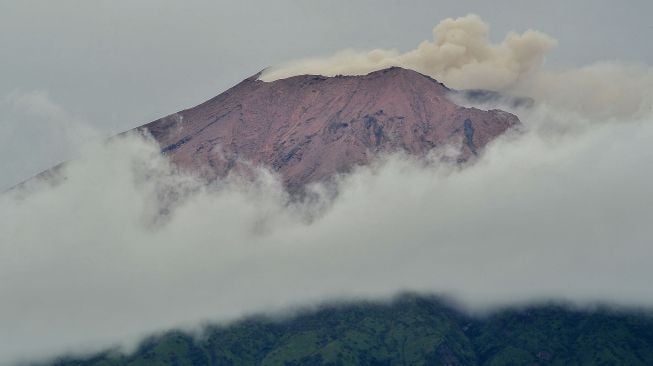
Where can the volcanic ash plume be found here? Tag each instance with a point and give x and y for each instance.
(461, 55)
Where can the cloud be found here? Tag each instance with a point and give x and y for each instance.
(549, 214)
(461, 55)
(37, 133)
(600, 91)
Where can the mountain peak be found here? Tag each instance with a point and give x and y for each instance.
(310, 127)
(392, 72)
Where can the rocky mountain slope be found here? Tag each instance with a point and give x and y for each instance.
(308, 128)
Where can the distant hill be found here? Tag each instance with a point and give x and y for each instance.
(412, 330)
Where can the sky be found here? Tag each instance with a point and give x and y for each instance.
(559, 211)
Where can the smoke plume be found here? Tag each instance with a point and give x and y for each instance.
(461, 55)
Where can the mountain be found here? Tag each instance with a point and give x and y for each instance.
(413, 330)
(308, 127)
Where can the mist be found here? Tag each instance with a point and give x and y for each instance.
(35, 133)
(123, 244)
(549, 213)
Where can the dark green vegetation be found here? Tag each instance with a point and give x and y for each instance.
(413, 330)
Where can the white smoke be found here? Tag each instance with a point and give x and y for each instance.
(461, 56)
(543, 215)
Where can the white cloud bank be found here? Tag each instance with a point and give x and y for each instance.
(540, 216)
(562, 211)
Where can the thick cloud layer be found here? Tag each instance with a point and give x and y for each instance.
(461, 55)
(126, 245)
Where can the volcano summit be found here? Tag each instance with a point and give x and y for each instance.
(308, 128)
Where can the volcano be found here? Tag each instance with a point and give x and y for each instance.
(308, 128)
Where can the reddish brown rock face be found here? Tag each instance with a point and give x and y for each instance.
(307, 128)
